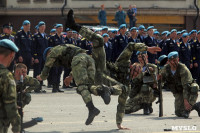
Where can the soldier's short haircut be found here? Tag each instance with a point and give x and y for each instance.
(4, 51)
(19, 66)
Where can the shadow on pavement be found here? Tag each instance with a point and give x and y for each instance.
(164, 118)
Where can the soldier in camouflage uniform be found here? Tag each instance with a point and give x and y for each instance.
(141, 94)
(8, 101)
(122, 65)
(29, 83)
(180, 82)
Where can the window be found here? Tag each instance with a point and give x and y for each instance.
(40, 1)
(57, 1)
(28, 1)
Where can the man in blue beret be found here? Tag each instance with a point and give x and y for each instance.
(195, 51)
(120, 42)
(104, 30)
(162, 42)
(40, 43)
(102, 16)
(185, 55)
(9, 111)
(55, 72)
(171, 44)
(68, 40)
(182, 85)
(193, 35)
(107, 47)
(7, 34)
(120, 16)
(141, 95)
(151, 42)
(52, 32)
(112, 35)
(23, 40)
(134, 39)
(141, 32)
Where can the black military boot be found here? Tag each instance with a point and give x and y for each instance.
(146, 110)
(93, 111)
(105, 93)
(54, 90)
(150, 108)
(186, 114)
(196, 107)
(57, 88)
(70, 23)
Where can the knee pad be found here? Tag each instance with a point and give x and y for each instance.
(80, 88)
(194, 88)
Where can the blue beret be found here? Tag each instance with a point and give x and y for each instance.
(164, 32)
(172, 55)
(36, 27)
(183, 31)
(138, 52)
(193, 31)
(26, 22)
(178, 32)
(114, 31)
(68, 29)
(52, 30)
(122, 26)
(22, 28)
(198, 32)
(133, 28)
(9, 25)
(105, 34)
(150, 27)
(173, 30)
(45, 52)
(185, 35)
(105, 28)
(168, 34)
(38, 119)
(141, 27)
(145, 30)
(156, 32)
(9, 44)
(162, 60)
(59, 25)
(41, 23)
(74, 31)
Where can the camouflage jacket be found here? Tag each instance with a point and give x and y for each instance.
(178, 83)
(31, 82)
(123, 61)
(60, 55)
(137, 82)
(8, 99)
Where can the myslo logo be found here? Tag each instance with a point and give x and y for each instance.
(184, 128)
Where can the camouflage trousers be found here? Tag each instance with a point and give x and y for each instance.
(4, 125)
(144, 96)
(26, 98)
(179, 102)
(122, 91)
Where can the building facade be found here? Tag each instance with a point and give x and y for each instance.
(163, 14)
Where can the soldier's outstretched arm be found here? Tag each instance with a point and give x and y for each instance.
(50, 60)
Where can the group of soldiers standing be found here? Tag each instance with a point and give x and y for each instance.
(106, 71)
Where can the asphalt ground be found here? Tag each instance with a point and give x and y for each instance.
(66, 113)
